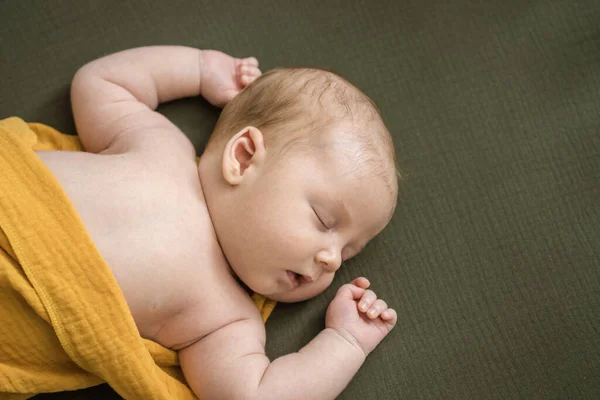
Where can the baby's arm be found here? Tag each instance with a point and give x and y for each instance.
(230, 363)
(114, 97)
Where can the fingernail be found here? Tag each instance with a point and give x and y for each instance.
(371, 312)
(363, 306)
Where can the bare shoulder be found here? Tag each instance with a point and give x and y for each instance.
(149, 133)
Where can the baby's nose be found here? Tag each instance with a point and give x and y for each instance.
(329, 260)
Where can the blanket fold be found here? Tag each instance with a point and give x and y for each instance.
(65, 324)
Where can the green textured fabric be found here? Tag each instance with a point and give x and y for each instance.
(493, 256)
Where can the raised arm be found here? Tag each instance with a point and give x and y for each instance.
(231, 362)
(114, 97)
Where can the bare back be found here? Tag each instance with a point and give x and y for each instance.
(148, 219)
(137, 191)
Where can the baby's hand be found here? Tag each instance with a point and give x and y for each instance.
(359, 316)
(223, 76)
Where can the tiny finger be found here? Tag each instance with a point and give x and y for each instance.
(367, 299)
(361, 282)
(249, 70)
(389, 316)
(250, 61)
(350, 291)
(376, 309)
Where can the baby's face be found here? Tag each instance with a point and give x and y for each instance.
(300, 218)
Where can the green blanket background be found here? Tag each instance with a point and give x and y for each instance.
(493, 256)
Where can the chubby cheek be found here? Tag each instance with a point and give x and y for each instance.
(278, 234)
(269, 233)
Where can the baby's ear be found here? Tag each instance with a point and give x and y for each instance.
(243, 151)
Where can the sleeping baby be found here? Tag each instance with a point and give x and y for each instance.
(297, 177)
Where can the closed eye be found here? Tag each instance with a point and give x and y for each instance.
(320, 220)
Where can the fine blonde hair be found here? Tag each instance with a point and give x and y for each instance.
(292, 106)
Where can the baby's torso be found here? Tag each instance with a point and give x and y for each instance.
(149, 221)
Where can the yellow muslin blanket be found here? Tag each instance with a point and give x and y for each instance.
(64, 323)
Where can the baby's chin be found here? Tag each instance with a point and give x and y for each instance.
(278, 293)
(301, 293)
(290, 297)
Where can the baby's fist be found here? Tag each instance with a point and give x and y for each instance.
(223, 77)
(358, 313)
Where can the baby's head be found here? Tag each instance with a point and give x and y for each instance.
(299, 175)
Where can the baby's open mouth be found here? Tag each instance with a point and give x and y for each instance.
(295, 278)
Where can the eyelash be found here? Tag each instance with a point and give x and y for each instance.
(320, 220)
